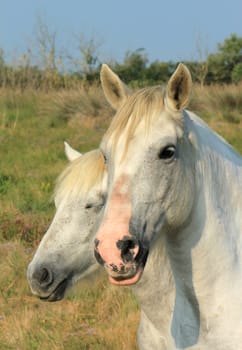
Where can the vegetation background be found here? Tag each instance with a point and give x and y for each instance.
(41, 105)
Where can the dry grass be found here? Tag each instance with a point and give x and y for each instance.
(218, 102)
(221, 107)
(83, 102)
(95, 315)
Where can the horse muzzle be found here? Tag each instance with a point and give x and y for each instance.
(45, 284)
(124, 261)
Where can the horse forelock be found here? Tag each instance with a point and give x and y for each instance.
(81, 175)
(143, 105)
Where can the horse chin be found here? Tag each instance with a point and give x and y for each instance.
(58, 293)
(127, 281)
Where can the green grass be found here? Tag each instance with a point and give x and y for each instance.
(32, 156)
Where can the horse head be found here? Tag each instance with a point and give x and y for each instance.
(149, 152)
(65, 253)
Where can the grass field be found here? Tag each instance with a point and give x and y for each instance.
(33, 126)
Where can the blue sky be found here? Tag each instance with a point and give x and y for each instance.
(168, 30)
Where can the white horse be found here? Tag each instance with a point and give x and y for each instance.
(65, 253)
(172, 225)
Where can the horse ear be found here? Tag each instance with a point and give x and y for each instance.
(114, 89)
(179, 89)
(71, 153)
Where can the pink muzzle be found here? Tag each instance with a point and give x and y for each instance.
(115, 248)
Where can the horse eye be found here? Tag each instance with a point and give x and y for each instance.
(167, 152)
(97, 204)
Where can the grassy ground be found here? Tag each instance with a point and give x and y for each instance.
(33, 126)
(95, 315)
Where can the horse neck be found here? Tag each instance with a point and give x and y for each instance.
(189, 272)
(155, 291)
(212, 240)
(206, 254)
(219, 170)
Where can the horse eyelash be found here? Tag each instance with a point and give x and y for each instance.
(104, 158)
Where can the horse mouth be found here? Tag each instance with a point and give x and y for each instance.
(131, 277)
(58, 293)
(127, 280)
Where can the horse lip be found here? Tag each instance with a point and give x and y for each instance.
(58, 293)
(134, 277)
(127, 280)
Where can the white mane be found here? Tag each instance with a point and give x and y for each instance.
(81, 175)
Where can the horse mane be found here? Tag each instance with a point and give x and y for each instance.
(144, 104)
(81, 175)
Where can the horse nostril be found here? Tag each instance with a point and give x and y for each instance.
(98, 257)
(44, 276)
(128, 246)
